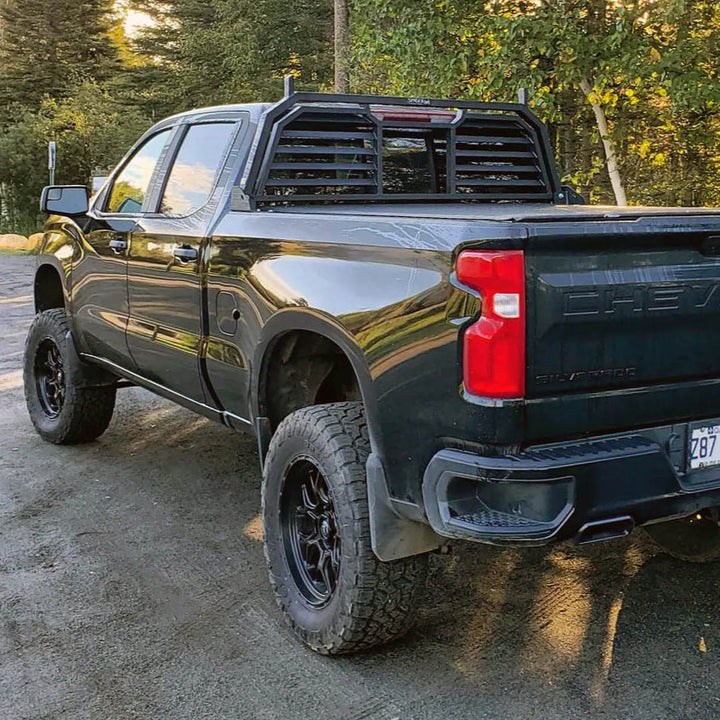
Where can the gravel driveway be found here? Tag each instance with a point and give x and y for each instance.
(132, 585)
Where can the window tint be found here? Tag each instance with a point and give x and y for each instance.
(130, 186)
(196, 166)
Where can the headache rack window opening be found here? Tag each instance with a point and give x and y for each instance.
(410, 160)
(306, 155)
(538, 144)
(487, 157)
(541, 142)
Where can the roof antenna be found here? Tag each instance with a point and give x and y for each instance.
(522, 96)
(289, 85)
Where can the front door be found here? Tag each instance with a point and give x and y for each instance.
(100, 299)
(165, 329)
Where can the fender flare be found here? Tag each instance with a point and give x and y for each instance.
(290, 319)
(61, 246)
(63, 272)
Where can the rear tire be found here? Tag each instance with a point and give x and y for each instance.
(693, 539)
(335, 593)
(62, 408)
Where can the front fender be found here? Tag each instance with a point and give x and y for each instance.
(61, 245)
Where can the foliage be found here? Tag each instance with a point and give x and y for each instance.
(651, 67)
(50, 46)
(91, 130)
(68, 73)
(207, 52)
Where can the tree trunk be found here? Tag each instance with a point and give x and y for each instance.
(608, 146)
(342, 43)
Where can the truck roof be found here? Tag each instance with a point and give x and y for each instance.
(253, 108)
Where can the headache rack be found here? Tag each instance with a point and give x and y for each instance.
(322, 148)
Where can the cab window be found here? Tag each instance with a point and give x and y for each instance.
(131, 185)
(196, 167)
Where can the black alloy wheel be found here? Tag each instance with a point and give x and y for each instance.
(335, 593)
(50, 377)
(310, 532)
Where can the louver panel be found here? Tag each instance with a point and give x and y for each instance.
(497, 157)
(322, 154)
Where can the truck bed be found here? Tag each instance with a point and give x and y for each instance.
(498, 212)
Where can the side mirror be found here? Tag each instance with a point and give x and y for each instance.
(64, 200)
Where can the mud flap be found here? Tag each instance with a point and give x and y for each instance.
(394, 536)
(85, 374)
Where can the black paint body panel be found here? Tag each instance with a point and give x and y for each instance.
(622, 323)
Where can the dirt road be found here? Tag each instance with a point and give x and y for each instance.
(132, 585)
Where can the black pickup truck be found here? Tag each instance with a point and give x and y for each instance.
(429, 335)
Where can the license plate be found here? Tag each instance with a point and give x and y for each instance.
(704, 447)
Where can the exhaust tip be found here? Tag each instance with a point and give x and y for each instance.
(601, 530)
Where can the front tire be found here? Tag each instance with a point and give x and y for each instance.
(63, 409)
(693, 539)
(335, 593)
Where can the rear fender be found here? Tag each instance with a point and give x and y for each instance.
(396, 527)
(290, 319)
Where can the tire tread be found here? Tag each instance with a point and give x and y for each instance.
(383, 596)
(88, 410)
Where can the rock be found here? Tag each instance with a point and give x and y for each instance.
(34, 241)
(14, 242)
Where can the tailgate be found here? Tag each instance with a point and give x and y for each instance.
(614, 305)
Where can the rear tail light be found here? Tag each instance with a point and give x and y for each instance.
(494, 346)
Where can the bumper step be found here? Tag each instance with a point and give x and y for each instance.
(486, 518)
(589, 490)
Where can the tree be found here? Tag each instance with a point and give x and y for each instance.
(48, 47)
(203, 52)
(91, 129)
(637, 70)
(342, 42)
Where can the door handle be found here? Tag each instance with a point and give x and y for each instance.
(185, 254)
(118, 244)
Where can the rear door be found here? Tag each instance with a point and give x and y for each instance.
(165, 329)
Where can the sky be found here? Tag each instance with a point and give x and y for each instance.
(134, 21)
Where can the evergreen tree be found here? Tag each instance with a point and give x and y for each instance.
(205, 52)
(48, 47)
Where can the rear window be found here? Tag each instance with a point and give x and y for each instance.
(413, 162)
(192, 177)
